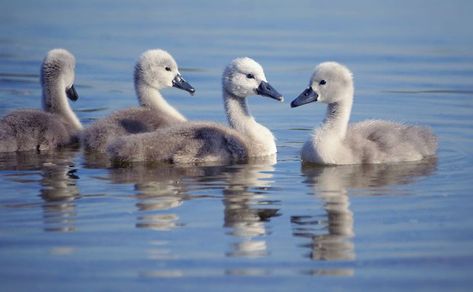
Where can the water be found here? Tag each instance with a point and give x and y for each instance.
(69, 223)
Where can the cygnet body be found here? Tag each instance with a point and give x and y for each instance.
(155, 70)
(198, 142)
(56, 125)
(371, 141)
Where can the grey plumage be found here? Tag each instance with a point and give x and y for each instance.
(122, 123)
(371, 141)
(24, 130)
(57, 125)
(204, 142)
(155, 69)
(187, 143)
(380, 141)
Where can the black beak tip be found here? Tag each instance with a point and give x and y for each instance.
(180, 83)
(191, 90)
(72, 93)
(265, 89)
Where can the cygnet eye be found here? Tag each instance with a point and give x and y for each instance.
(168, 68)
(250, 76)
(322, 82)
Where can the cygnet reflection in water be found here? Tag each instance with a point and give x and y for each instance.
(159, 190)
(59, 192)
(331, 236)
(58, 183)
(247, 210)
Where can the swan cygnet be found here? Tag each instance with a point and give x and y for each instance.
(56, 125)
(156, 69)
(203, 142)
(370, 141)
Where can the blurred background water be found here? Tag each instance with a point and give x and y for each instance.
(68, 223)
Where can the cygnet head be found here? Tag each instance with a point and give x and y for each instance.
(331, 82)
(158, 69)
(58, 70)
(245, 77)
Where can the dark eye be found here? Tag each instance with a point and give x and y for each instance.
(168, 69)
(322, 82)
(250, 76)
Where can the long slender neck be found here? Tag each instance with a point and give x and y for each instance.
(55, 101)
(241, 120)
(238, 115)
(336, 118)
(151, 98)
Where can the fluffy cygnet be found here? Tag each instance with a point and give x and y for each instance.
(56, 125)
(371, 141)
(197, 142)
(155, 70)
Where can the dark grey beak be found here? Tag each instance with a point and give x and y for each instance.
(72, 93)
(180, 83)
(305, 97)
(265, 89)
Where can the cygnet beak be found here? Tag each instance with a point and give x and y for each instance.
(72, 93)
(305, 97)
(265, 89)
(180, 83)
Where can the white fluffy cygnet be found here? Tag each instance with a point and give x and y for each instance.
(56, 125)
(371, 141)
(155, 70)
(198, 142)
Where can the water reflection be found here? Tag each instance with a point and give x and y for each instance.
(58, 187)
(59, 192)
(246, 208)
(96, 160)
(331, 234)
(158, 190)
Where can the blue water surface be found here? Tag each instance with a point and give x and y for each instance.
(70, 223)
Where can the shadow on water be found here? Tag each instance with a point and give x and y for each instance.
(58, 188)
(330, 236)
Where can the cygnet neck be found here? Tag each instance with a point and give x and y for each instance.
(238, 115)
(150, 97)
(240, 118)
(337, 116)
(55, 101)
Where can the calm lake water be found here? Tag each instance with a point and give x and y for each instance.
(69, 223)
